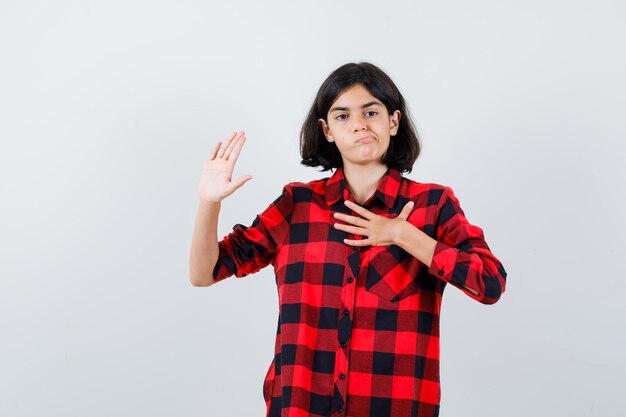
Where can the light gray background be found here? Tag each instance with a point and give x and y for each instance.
(108, 109)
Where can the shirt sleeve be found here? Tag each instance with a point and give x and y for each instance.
(248, 249)
(462, 256)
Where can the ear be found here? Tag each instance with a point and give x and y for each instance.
(394, 122)
(326, 130)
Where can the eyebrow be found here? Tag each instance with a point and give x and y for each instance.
(371, 103)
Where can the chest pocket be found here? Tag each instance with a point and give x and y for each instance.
(391, 272)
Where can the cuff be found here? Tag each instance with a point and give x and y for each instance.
(443, 262)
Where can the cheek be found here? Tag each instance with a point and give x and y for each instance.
(341, 146)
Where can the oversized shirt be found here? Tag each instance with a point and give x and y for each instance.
(358, 327)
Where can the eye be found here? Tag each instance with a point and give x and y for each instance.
(338, 117)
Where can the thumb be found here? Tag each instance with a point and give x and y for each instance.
(241, 181)
(406, 210)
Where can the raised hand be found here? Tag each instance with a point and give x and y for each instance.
(216, 180)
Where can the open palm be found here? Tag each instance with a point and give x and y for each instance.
(216, 180)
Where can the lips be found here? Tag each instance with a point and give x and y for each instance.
(366, 139)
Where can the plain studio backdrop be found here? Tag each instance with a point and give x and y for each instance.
(108, 110)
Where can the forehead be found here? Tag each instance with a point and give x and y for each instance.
(354, 98)
(356, 93)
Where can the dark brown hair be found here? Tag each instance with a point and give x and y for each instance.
(315, 150)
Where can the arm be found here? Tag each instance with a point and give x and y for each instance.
(420, 245)
(459, 255)
(204, 245)
(248, 249)
(215, 185)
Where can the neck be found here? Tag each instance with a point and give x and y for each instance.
(362, 180)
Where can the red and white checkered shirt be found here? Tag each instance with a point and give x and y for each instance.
(358, 327)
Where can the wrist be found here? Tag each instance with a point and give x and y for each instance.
(402, 236)
(206, 204)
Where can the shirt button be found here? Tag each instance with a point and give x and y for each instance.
(440, 272)
(346, 312)
(340, 410)
(350, 280)
(341, 376)
(342, 344)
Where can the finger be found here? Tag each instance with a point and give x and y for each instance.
(233, 145)
(214, 151)
(406, 210)
(225, 145)
(230, 145)
(360, 210)
(356, 242)
(236, 150)
(351, 229)
(223, 150)
(351, 219)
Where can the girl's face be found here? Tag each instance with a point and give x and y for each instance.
(360, 126)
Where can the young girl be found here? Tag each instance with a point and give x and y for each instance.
(361, 258)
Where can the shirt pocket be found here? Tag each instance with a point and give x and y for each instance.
(392, 273)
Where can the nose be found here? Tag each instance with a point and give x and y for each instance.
(358, 124)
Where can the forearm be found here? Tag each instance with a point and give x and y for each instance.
(418, 244)
(204, 244)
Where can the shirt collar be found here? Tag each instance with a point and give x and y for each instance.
(386, 191)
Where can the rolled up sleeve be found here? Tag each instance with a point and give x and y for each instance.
(462, 256)
(248, 249)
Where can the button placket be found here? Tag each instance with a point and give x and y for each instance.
(344, 330)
